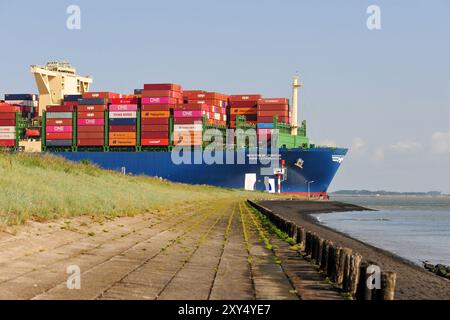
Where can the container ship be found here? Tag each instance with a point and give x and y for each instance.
(243, 141)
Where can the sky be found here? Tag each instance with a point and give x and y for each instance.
(385, 94)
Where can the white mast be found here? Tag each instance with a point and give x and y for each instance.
(294, 109)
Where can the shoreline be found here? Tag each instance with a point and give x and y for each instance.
(413, 281)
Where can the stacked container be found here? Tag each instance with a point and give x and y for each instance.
(214, 105)
(243, 105)
(122, 122)
(268, 108)
(28, 103)
(91, 122)
(59, 126)
(7, 125)
(188, 125)
(157, 102)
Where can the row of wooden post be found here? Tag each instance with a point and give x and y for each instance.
(342, 266)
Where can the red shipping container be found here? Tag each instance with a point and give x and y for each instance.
(124, 101)
(245, 97)
(58, 136)
(70, 103)
(162, 86)
(90, 142)
(104, 95)
(156, 107)
(155, 142)
(152, 128)
(267, 107)
(60, 108)
(7, 108)
(154, 134)
(90, 135)
(244, 104)
(58, 122)
(187, 120)
(122, 128)
(7, 143)
(91, 115)
(162, 93)
(8, 123)
(7, 116)
(91, 108)
(273, 101)
(90, 129)
(159, 121)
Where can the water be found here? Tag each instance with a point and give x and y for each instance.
(415, 228)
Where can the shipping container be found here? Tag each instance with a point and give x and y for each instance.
(154, 142)
(157, 107)
(72, 97)
(155, 121)
(58, 129)
(155, 114)
(129, 128)
(122, 142)
(162, 93)
(8, 129)
(91, 122)
(126, 101)
(122, 135)
(58, 115)
(101, 95)
(122, 107)
(90, 115)
(7, 115)
(90, 142)
(91, 128)
(58, 143)
(91, 108)
(162, 86)
(21, 96)
(8, 143)
(58, 135)
(122, 121)
(159, 100)
(155, 128)
(245, 97)
(154, 135)
(8, 122)
(64, 108)
(122, 114)
(187, 120)
(93, 101)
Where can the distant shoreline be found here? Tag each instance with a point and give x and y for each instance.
(413, 281)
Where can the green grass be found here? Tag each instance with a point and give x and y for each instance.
(44, 187)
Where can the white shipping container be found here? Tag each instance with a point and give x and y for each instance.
(7, 136)
(27, 103)
(7, 129)
(122, 114)
(188, 127)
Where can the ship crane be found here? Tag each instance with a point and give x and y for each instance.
(296, 84)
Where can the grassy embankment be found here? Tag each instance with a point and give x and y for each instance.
(44, 187)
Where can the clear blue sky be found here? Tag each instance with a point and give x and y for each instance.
(385, 94)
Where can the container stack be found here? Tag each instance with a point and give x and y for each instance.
(59, 126)
(157, 102)
(7, 125)
(122, 122)
(267, 110)
(91, 122)
(243, 105)
(28, 103)
(212, 104)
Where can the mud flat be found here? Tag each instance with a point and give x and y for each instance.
(413, 282)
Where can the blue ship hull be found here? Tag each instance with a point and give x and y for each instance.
(315, 167)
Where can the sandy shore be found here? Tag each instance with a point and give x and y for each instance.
(413, 282)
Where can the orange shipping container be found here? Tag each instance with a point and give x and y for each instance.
(90, 115)
(122, 135)
(155, 114)
(243, 111)
(122, 142)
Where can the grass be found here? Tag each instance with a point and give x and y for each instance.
(45, 187)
